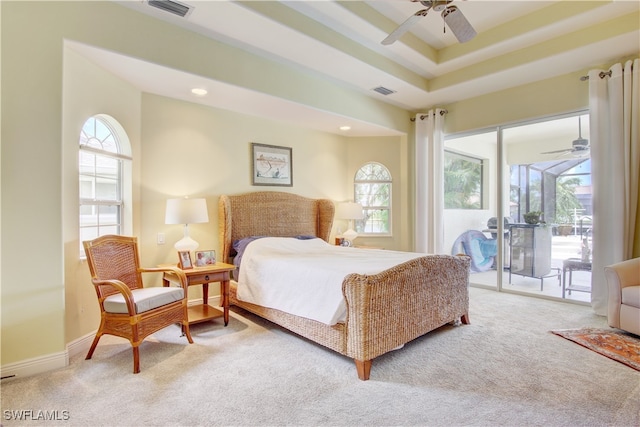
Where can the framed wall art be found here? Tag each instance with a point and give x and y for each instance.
(271, 165)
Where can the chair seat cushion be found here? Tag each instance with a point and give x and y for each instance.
(145, 299)
(631, 296)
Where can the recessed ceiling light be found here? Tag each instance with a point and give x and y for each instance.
(345, 128)
(199, 92)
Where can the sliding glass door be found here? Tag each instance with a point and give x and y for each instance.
(537, 177)
(470, 220)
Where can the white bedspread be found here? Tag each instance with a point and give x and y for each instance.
(304, 277)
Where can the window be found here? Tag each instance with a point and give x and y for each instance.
(101, 164)
(559, 188)
(547, 175)
(372, 188)
(462, 181)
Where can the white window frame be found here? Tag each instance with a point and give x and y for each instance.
(361, 225)
(123, 176)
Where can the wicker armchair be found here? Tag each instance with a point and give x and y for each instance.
(128, 309)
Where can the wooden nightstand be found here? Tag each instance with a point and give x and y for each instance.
(218, 272)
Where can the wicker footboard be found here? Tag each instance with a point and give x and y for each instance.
(389, 309)
(386, 310)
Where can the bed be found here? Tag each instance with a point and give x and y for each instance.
(384, 310)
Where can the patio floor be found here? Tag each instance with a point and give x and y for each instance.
(562, 248)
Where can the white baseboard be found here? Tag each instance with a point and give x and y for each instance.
(49, 362)
(80, 345)
(34, 366)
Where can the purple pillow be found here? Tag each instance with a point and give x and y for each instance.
(239, 246)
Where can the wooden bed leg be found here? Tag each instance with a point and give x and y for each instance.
(364, 369)
(465, 319)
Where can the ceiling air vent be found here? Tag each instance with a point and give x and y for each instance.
(172, 6)
(383, 90)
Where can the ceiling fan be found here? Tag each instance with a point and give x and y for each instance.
(579, 147)
(452, 16)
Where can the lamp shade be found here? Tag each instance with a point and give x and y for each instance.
(186, 211)
(349, 210)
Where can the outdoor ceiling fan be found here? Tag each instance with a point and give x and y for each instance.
(452, 16)
(579, 147)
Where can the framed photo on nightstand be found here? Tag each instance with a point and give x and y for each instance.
(205, 258)
(185, 260)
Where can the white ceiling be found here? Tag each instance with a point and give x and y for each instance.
(341, 41)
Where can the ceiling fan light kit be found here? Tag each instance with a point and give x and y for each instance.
(451, 15)
(579, 147)
(437, 5)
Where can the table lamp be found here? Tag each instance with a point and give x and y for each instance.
(350, 211)
(186, 211)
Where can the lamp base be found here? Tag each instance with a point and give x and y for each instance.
(350, 235)
(186, 243)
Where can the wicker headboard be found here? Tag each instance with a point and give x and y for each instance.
(271, 213)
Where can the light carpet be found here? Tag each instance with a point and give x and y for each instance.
(504, 369)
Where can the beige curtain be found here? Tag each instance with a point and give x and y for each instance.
(429, 145)
(614, 108)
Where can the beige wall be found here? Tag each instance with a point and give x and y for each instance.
(32, 246)
(544, 98)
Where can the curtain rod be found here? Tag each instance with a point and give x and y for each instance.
(424, 116)
(602, 75)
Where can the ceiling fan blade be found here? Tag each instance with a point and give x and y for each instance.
(566, 150)
(458, 24)
(405, 26)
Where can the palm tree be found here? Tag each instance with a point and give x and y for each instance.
(462, 180)
(566, 200)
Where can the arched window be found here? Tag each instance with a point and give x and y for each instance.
(104, 167)
(372, 189)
